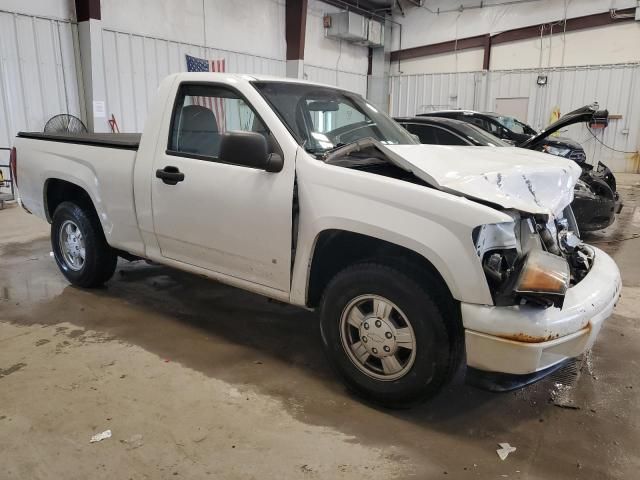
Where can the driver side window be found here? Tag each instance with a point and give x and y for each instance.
(203, 113)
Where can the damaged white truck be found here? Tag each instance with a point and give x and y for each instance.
(419, 258)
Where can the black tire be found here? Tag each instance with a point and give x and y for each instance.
(438, 342)
(100, 259)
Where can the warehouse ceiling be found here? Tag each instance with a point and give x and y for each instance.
(364, 6)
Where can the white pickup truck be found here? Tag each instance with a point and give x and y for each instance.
(419, 258)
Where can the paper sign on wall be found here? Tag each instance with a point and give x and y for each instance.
(99, 109)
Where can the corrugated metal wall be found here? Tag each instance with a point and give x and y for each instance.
(38, 75)
(39, 78)
(413, 94)
(354, 82)
(134, 65)
(615, 87)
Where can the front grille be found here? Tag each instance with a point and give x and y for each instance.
(577, 156)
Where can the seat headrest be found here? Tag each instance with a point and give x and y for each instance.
(196, 118)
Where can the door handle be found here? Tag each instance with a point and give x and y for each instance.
(170, 175)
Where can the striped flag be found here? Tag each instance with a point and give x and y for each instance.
(215, 104)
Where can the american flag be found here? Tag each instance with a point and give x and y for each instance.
(215, 104)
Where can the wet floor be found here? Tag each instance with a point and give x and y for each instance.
(196, 353)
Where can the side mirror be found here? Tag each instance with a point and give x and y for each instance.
(275, 163)
(249, 149)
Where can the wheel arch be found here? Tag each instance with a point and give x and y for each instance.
(57, 190)
(336, 249)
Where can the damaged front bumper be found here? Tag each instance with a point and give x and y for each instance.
(524, 339)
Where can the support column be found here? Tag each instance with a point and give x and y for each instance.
(378, 87)
(486, 59)
(296, 24)
(91, 62)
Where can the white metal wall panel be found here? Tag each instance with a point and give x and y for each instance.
(615, 87)
(351, 81)
(134, 66)
(413, 94)
(38, 76)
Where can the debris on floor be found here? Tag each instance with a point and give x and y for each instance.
(135, 441)
(98, 437)
(566, 380)
(504, 450)
(563, 396)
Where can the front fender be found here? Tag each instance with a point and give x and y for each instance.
(436, 225)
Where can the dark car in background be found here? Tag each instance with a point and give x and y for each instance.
(502, 126)
(518, 133)
(595, 201)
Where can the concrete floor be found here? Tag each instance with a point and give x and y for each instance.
(198, 380)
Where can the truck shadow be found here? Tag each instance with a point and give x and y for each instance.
(247, 333)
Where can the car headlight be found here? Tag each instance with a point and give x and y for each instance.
(585, 191)
(513, 275)
(544, 278)
(559, 151)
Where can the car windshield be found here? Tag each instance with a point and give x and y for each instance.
(515, 125)
(479, 136)
(323, 118)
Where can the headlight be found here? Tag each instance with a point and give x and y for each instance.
(544, 278)
(585, 191)
(559, 151)
(514, 275)
(497, 247)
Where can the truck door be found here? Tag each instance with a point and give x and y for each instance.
(225, 217)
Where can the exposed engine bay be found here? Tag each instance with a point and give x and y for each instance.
(366, 155)
(533, 260)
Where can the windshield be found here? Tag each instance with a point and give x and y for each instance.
(479, 136)
(515, 125)
(323, 118)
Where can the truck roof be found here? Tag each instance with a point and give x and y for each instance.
(244, 77)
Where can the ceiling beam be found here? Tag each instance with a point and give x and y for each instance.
(437, 48)
(533, 31)
(367, 9)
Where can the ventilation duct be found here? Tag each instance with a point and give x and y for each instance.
(354, 28)
(347, 26)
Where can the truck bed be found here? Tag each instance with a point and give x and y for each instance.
(127, 141)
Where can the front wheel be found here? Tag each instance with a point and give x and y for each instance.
(385, 336)
(79, 246)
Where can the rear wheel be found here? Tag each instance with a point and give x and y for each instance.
(386, 336)
(79, 246)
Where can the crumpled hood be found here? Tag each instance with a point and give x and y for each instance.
(511, 177)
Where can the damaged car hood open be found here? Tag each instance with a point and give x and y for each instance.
(509, 177)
